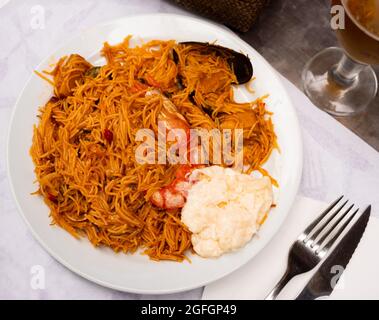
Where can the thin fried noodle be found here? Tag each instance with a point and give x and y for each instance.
(84, 144)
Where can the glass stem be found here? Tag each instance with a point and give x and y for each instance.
(346, 71)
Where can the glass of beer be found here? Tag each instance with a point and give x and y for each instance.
(341, 81)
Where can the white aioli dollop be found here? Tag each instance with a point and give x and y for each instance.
(224, 209)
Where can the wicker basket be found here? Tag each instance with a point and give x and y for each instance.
(236, 14)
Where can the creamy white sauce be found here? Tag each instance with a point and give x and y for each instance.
(224, 209)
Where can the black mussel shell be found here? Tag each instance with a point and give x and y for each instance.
(240, 63)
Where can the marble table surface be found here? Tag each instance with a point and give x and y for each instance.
(288, 34)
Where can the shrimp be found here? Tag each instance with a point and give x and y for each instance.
(169, 115)
(174, 195)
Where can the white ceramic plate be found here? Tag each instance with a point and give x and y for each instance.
(136, 273)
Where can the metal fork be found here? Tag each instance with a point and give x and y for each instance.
(309, 248)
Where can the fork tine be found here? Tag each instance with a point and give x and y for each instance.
(330, 229)
(309, 229)
(330, 243)
(322, 227)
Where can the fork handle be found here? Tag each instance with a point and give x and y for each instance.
(288, 275)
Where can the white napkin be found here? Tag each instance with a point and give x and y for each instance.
(360, 280)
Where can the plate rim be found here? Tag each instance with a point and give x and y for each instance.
(123, 288)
